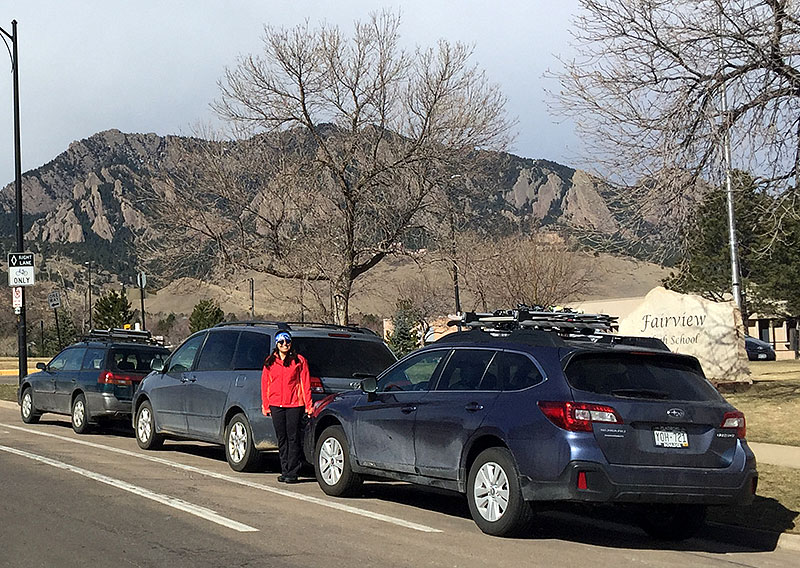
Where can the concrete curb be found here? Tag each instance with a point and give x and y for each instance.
(789, 541)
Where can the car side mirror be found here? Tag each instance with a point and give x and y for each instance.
(41, 366)
(157, 364)
(369, 385)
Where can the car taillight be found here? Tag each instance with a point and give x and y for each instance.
(735, 420)
(109, 378)
(316, 385)
(578, 416)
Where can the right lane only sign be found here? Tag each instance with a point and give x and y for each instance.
(20, 269)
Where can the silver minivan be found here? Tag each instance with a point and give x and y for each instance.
(209, 389)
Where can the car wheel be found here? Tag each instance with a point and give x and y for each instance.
(672, 522)
(80, 416)
(494, 494)
(239, 448)
(332, 464)
(146, 435)
(27, 410)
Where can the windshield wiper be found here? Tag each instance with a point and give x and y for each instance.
(640, 393)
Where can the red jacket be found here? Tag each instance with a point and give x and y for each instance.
(286, 386)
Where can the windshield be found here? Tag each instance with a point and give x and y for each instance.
(636, 375)
(343, 357)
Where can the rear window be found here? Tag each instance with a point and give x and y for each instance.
(640, 376)
(340, 357)
(134, 359)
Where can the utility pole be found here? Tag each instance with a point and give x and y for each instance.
(89, 267)
(22, 340)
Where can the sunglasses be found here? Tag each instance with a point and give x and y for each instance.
(283, 342)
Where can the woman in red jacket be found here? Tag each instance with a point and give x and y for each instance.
(286, 394)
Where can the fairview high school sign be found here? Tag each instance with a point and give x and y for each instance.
(711, 331)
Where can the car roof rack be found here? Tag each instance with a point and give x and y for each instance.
(120, 334)
(290, 325)
(563, 322)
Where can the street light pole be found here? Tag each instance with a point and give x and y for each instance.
(22, 341)
(89, 267)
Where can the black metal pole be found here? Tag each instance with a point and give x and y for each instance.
(141, 295)
(89, 267)
(58, 330)
(252, 299)
(22, 341)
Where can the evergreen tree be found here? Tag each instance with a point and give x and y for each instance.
(205, 314)
(404, 337)
(112, 310)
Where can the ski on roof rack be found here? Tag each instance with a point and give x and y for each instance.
(561, 321)
(120, 334)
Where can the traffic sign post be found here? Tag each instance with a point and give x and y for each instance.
(141, 281)
(54, 299)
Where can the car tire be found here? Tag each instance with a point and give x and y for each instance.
(240, 451)
(332, 464)
(145, 428)
(672, 522)
(27, 409)
(80, 415)
(495, 496)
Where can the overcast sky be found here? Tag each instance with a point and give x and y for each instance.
(153, 65)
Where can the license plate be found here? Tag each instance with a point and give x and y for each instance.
(671, 437)
(762, 355)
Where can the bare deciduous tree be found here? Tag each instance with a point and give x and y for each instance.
(537, 270)
(645, 92)
(342, 144)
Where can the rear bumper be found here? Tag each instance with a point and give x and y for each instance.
(107, 405)
(653, 485)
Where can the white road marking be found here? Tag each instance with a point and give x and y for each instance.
(173, 502)
(240, 481)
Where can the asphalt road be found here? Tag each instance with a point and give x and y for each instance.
(98, 500)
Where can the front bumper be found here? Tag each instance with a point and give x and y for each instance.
(652, 485)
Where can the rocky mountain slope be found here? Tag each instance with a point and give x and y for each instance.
(89, 202)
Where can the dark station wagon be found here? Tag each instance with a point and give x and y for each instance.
(512, 415)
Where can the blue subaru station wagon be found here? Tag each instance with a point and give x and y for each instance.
(512, 415)
(209, 389)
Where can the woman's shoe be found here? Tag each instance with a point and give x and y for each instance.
(290, 480)
(281, 479)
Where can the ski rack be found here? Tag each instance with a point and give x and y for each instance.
(119, 334)
(564, 322)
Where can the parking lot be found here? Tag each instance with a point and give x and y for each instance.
(73, 500)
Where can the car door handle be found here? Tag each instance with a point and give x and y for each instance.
(408, 409)
(188, 379)
(473, 407)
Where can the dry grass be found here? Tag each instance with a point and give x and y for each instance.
(772, 403)
(8, 392)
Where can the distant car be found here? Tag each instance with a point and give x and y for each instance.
(512, 417)
(210, 388)
(758, 350)
(91, 380)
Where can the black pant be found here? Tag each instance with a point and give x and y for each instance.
(287, 423)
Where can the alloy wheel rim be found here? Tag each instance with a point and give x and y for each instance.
(27, 405)
(237, 442)
(78, 414)
(331, 461)
(491, 491)
(144, 426)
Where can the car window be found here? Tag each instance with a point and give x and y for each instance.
(183, 358)
(413, 374)
(134, 358)
(251, 351)
(68, 360)
(517, 371)
(217, 353)
(640, 376)
(465, 369)
(94, 358)
(343, 357)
